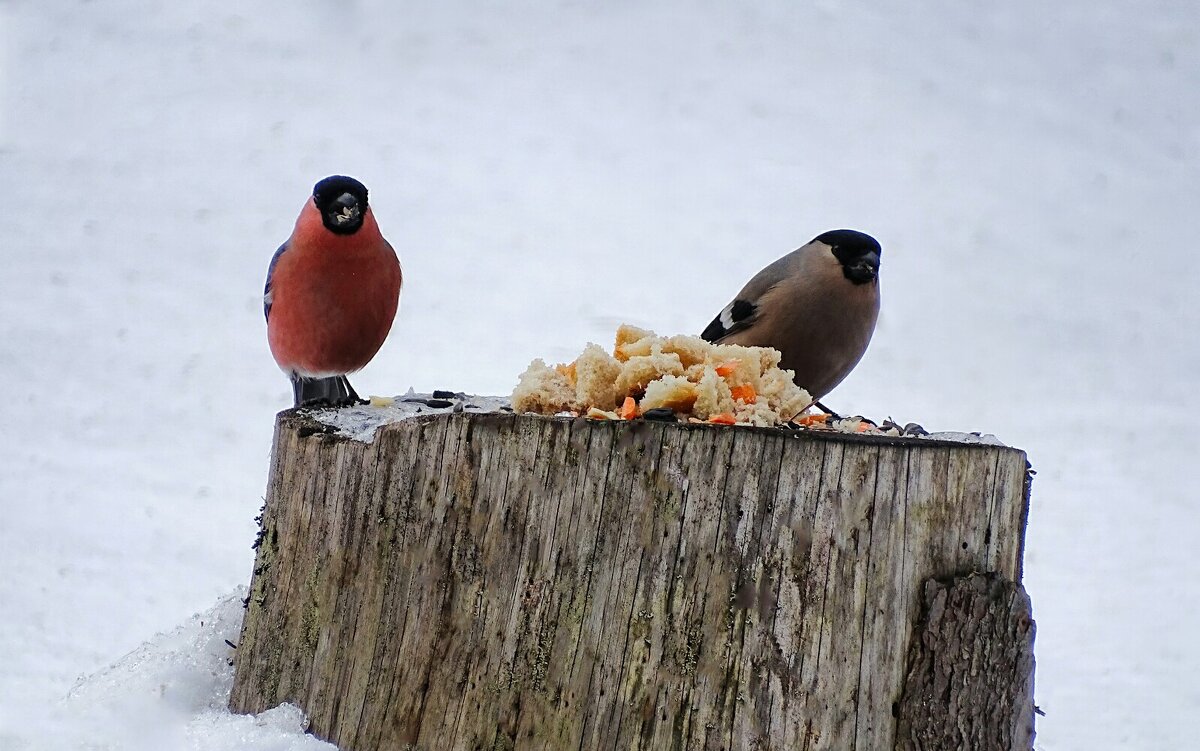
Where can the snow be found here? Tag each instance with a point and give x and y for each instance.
(172, 692)
(359, 423)
(547, 171)
(986, 439)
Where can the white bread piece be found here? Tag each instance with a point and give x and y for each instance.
(543, 390)
(678, 372)
(596, 378)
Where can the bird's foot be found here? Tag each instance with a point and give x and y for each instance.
(352, 399)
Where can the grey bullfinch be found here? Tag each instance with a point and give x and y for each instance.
(817, 305)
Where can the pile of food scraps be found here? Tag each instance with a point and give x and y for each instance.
(677, 377)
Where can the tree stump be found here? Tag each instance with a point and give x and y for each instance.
(970, 676)
(492, 581)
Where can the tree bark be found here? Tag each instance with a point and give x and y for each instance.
(970, 675)
(495, 581)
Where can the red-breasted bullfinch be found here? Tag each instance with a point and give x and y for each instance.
(817, 305)
(331, 294)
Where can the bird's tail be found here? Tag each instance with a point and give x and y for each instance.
(333, 391)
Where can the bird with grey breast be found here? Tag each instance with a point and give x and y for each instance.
(817, 305)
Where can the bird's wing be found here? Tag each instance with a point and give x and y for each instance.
(736, 316)
(740, 314)
(268, 294)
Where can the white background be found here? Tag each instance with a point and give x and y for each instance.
(547, 172)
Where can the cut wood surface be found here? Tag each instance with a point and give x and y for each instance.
(489, 581)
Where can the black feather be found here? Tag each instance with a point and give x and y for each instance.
(858, 253)
(740, 314)
(267, 286)
(714, 331)
(335, 194)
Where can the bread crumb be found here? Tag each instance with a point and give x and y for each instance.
(640, 370)
(677, 372)
(673, 391)
(626, 336)
(543, 390)
(596, 374)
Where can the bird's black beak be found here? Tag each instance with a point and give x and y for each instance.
(343, 215)
(344, 210)
(864, 268)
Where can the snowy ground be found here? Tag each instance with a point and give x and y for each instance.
(545, 173)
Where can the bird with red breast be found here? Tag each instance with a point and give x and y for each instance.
(331, 294)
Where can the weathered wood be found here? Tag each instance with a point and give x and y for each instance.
(499, 581)
(970, 675)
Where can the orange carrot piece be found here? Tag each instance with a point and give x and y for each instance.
(808, 420)
(725, 418)
(863, 427)
(726, 368)
(744, 393)
(628, 410)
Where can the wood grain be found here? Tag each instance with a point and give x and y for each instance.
(498, 581)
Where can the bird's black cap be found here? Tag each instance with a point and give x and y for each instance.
(858, 253)
(342, 202)
(850, 240)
